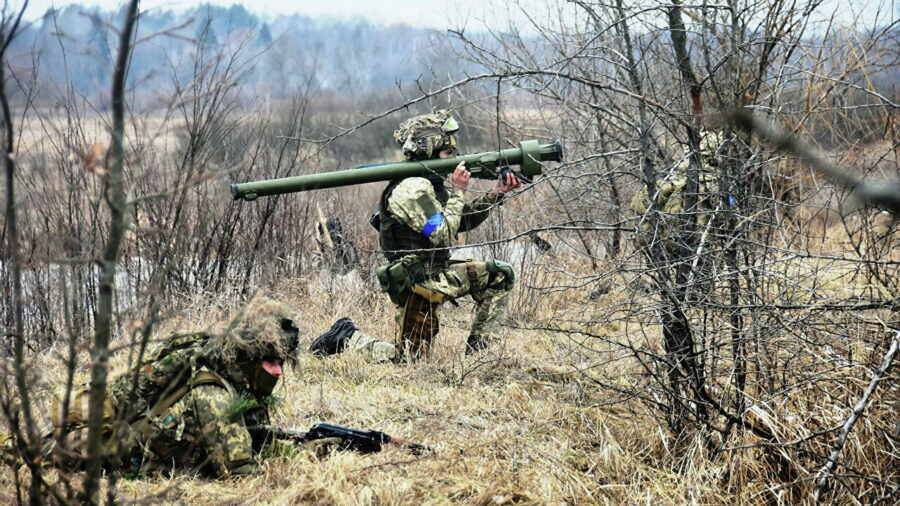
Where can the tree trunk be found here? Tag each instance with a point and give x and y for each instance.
(114, 192)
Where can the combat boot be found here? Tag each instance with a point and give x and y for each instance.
(334, 339)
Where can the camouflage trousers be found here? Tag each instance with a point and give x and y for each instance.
(488, 283)
(373, 349)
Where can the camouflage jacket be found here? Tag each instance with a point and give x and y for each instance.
(669, 196)
(418, 214)
(206, 431)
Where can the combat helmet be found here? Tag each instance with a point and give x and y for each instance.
(423, 137)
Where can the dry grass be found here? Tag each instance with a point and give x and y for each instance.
(512, 427)
(528, 424)
(525, 424)
(517, 426)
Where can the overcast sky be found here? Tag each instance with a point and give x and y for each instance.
(432, 13)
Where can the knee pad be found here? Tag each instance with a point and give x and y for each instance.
(497, 267)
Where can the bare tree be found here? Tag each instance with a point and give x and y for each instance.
(28, 441)
(116, 200)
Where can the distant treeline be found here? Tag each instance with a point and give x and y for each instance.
(69, 51)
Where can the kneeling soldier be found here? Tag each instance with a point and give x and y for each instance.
(418, 220)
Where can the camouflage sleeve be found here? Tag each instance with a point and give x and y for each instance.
(227, 442)
(640, 202)
(475, 212)
(414, 202)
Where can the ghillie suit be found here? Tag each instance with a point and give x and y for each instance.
(188, 404)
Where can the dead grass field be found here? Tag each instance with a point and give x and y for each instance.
(523, 424)
(516, 426)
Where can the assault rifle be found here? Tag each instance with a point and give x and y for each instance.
(370, 441)
(490, 165)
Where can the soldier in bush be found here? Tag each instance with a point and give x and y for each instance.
(191, 403)
(670, 191)
(418, 219)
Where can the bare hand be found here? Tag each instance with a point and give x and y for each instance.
(460, 177)
(506, 183)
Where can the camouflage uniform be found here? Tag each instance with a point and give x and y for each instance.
(206, 430)
(669, 191)
(374, 349)
(193, 401)
(345, 336)
(419, 219)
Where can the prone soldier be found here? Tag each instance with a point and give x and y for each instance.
(199, 402)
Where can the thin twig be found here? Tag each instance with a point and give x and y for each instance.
(877, 376)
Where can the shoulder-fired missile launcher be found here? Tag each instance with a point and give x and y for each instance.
(528, 156)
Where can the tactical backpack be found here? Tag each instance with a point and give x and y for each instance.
(163, 378)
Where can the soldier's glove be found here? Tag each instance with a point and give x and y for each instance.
(334, 339)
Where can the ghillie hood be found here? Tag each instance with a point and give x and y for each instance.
(263, 328)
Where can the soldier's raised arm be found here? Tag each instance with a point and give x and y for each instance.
(475, 212)
(415, 203)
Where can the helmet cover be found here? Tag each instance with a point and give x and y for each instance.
(423, 137)
(265, 328)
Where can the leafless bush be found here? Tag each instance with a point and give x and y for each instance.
(743, 315)
(745, 324)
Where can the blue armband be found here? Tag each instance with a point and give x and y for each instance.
(436, 220)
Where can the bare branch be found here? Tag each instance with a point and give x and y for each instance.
(114, 189)
(885, 194)
(877, 376)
